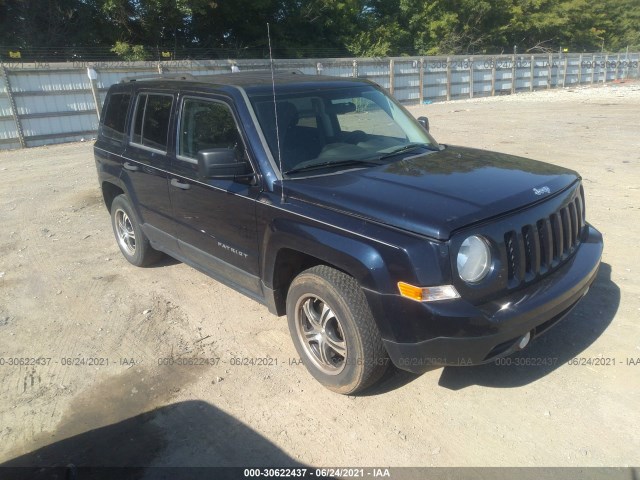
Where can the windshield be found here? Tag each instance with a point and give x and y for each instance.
(322, 130)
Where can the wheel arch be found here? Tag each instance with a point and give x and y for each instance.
(109, 192)
(296, 247)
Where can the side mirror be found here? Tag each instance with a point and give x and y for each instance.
(424, 121)
(220, 163)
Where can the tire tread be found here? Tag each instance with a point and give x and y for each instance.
(146, 255)
(354, 297)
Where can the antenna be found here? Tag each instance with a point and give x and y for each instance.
(275, 111)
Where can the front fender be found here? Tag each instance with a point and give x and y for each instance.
(361, 259)
(376, 265)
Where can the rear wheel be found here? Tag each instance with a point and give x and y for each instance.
(333, 330)
(132, 241)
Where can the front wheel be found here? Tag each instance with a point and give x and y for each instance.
(333, 330)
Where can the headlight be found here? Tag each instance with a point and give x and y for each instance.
(474, 259)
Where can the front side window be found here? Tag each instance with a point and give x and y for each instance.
(205, 125)
(151, 121)
(115, 116)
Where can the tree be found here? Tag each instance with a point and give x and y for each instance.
(51, 24)
(237, 28)
(129, 52)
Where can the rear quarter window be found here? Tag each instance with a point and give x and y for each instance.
(151, 122)
(115, 116)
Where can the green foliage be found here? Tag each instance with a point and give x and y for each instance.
(129, 52)
(380, 41)
(312, 27)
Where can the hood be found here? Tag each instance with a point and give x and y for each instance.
(436, 193)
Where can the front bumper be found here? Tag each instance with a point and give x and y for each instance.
(459, 333)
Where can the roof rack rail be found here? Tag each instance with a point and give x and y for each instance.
(164, 76)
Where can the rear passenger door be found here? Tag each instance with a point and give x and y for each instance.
(215, 218)
(146, 163)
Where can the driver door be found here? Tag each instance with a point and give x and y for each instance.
(215, 218)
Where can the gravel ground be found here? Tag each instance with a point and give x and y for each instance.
(102, 398)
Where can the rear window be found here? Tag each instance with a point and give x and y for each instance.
(151, 122)
(115, 116)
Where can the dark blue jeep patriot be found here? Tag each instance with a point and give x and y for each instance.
(325, 200)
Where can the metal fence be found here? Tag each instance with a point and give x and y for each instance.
(45, 103)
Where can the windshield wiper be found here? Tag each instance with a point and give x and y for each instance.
(406, 148)
(342, 163)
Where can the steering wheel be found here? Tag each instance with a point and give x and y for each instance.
(354, 137)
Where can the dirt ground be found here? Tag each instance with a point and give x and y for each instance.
(100, 329)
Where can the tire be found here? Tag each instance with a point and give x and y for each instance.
(333, 330)
(130, 238)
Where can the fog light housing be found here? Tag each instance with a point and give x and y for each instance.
(524, 341)
(427, 294)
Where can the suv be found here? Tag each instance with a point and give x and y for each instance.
(325, 200)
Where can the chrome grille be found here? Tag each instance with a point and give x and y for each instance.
(540, 247)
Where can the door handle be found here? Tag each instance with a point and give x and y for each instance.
(131, 166)
(177, 183)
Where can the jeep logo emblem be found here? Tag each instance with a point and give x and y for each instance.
(541, 190)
